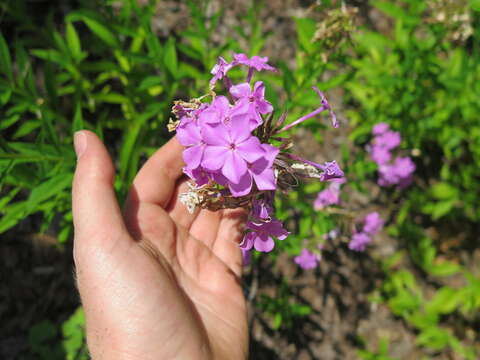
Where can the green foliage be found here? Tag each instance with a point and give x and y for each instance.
(380, 354)
(44, 339)
(427, 89)
(282, 308)
(430, 315)
(100, 70)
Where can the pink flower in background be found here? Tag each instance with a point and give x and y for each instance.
(359, 241)
(398, 171)
(372, 223)
(388, 140)
(327, 197)
(380, 128)
(380, 155)
(307, 260)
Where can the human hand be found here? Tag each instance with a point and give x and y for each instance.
(155, 282)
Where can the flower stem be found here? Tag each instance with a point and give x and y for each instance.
(250, 74)
(302, 119)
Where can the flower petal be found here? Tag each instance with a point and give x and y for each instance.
(192, 156)
(265, 180)
(251, 150)
(248, 240)
(214, 157)
(216, 135)
(264, 243)
(234, 167)
(241, 90)
(243, 187)
(188, 134)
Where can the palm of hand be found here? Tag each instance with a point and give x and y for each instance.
(165, 283)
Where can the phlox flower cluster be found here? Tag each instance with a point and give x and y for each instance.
(233, 153)
(398, 171)
(371, 224)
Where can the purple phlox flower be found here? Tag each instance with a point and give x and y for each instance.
(257, 62)
(220, 111)
(359, 241)
(219, 70)
(380, 128)
(255, 100)
(262, 210)
(260, 170)
(230, 148)
(387, 175)
(325, 106)
(199, 175)
(372, 223)
(380, 155)
(399, 172)
(388, 140)
(404, 166)
(188, 134)
(261, 235)
(327, 197)
(307, 260)
(331, 171)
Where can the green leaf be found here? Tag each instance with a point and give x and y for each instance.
(5, 59)
(443, 191)
(277, 321)
(434, 338)
(96, 27)
(442, 208)
(475, 5)
(446, 268)
(5, 94)
(50, 55)
(77, 118)
(150, 81)
(113, 98)
(73, 42)
(73, 331)
(170, 57)
(12, 214)
(48, 189)
(444, 301)
(26, 128)
(305, 31)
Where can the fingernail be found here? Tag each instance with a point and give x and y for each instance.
(79, 143)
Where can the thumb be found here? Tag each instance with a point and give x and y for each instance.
(96, 214)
